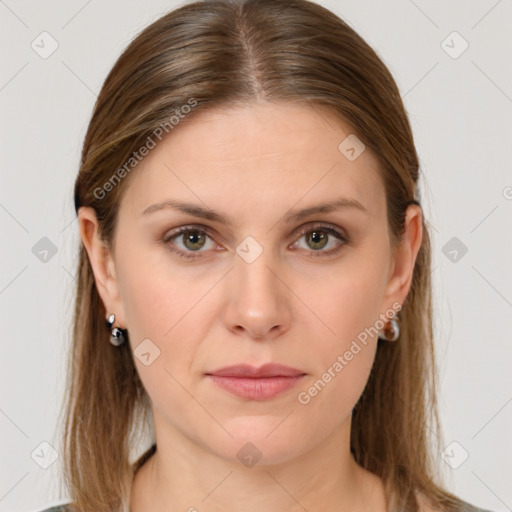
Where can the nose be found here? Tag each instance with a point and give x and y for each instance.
(259, 299)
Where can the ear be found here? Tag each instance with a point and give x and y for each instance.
(102, 264)
(404, 259)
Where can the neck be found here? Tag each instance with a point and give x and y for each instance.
(184, 476)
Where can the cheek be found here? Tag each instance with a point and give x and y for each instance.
(161, 304)
(351, 302)
(163, 330)
(349, 309)
(341, 371)
(155, 293)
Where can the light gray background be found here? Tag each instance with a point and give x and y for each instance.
(460, 109)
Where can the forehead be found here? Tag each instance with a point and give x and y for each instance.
(271, 154)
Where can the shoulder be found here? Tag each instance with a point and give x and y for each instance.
(56, 508)
(466, 507)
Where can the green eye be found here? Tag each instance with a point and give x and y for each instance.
(318, 237)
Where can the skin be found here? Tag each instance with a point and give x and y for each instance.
(253, 164)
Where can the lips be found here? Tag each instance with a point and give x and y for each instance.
(267, 370)
(253, 383)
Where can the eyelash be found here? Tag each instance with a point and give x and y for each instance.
(190, 255)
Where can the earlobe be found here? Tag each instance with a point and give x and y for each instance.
(101, 262)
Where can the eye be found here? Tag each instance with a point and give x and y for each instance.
(318, 237)
(193, 240)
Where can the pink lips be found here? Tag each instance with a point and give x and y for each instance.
(254, 383)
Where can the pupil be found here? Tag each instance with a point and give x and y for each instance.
(318, 237)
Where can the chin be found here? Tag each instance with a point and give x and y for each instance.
(260, 441)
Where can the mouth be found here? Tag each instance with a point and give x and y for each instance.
(254, 383)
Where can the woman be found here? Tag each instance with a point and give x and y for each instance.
(255, 250)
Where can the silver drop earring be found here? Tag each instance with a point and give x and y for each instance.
(117, 335)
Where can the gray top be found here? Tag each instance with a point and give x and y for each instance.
(468, 508)
(57, 508)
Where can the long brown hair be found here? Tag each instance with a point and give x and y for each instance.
(215, 53)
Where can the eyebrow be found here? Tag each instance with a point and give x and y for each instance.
(292, 216)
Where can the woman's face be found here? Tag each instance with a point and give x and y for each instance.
(264, 284)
